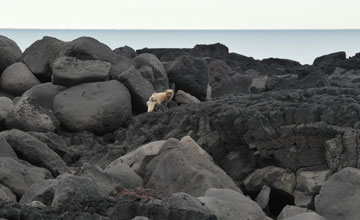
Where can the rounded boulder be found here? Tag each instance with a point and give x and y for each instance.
(98, 107)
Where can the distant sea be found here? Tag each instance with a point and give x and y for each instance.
(300, 45)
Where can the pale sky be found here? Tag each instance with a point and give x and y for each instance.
(180, 14)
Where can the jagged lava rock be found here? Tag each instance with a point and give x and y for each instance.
(97, 107)
(19, 175)
(191, 75)
(190, 171)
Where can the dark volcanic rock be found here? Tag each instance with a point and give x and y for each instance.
(87, 48)
(5, 149)
(9, 53)
(191, 75)
(210, 50)
(160, 82)
(227, 204)
(19, 175)
(329, 62)
(43, 192)
(190, 171)
(40, 55)
(125, 51)
(17, 78)
(84, 107)
(33, 111)
(34, 151)
(139, 88)
(69, 71)
(338, 198)
(6, 106)
(74, 189)
(165, 54)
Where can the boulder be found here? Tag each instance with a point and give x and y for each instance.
(5, 149)
(187, 140)
(140, 218)
(69, 71)
(345, 78)
(87, 48)
(191, 172)
(262, 199)
(33, 111)
(125, 51)
(160, 82)
(34, 151)
(306, 216)
(127, 176)
(19, 175)
(329, 62)
(6, 106)
(6, 194)
(147, 73)
(339, 196)
(185, 202)
(72, 190)
(275, 177)
(308, 184)
(227, 204)
(42, 192)
(182, 97)
(258, 85)
(139, 158)
(289, 211)
(106, 182)
(94, 107)
(40, 55)
(139, 88)
(17, 78)
(191, 75)
(9, 53)
(210, 50)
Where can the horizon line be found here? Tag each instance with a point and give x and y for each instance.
(190, 29)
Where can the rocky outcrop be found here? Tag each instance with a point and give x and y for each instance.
(125, 51)
(83, 107)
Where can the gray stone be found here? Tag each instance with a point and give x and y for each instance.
(5, 149)
(191, 75)
(69, 71)
(160, 82)
(74, 189)
(140, 218)
(187, 140)
(339, 196)
(127, 176)
(139, 88)
(6, 105)
(9, 53)
(308, 184)
(306, 216)
(34, 151)
(289, 211)
(40, 55)
(147, 73)
(227, 204)
(258, 85)
(84, 107)
(106, 182)
(6, 194)
(139, 158)
(30, 112)
(17, 78)
(42, 192)
(262, 199)
(185, 202)
(182, 97)
(190, 171)
(276, 177)
(36, 204)
(19, 175)
(125, 51)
